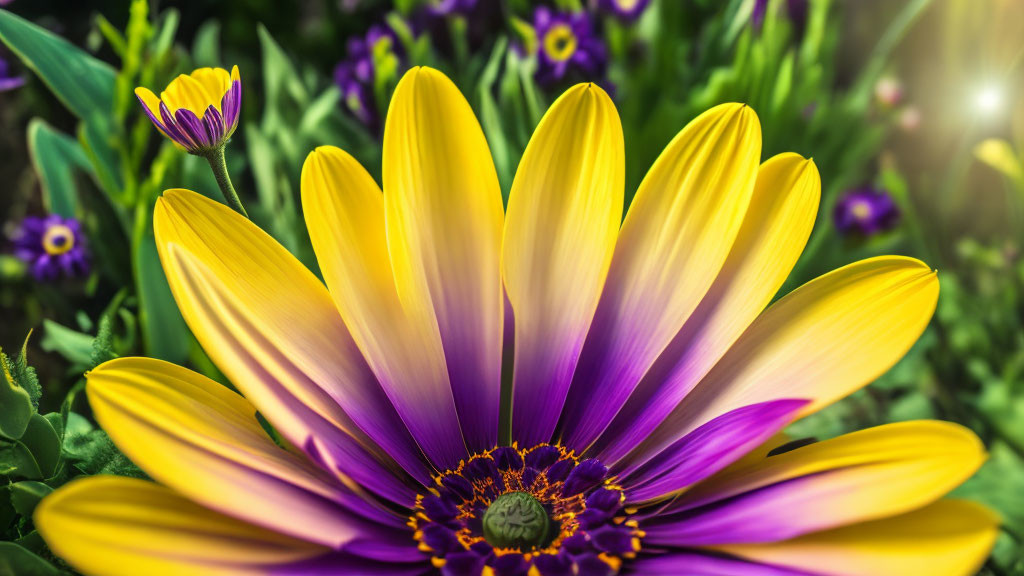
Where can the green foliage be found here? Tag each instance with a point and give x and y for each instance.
(48, 451)
(56, 158)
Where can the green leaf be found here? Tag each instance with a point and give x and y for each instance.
(45, 444)
(92, 452)
(164, 332)
(82, 83)
(206, 47)
(25, 495)
(96, 140)
(16, 461)
(15, 404)
(55, 157)
(73, 345)
(280, 77)
(16, 560)
(103, 344)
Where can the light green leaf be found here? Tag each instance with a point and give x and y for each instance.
(73, 345)
(55, 157)
(15, 403)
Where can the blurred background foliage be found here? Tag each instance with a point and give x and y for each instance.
(913, 111)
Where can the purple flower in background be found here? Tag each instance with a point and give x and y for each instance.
(356, 76)
(7, 80)
(52, 247)
(565, 42)
(625, 10)
(452, 7)
(796, 11)
(865, 211)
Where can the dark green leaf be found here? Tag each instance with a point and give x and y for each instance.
(25, 495)
(16, 461)
(17, 561)
(84, 84)
(45, 444)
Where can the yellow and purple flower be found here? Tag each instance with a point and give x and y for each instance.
(625, 10)
(638, 430)
(865, 211)
(52, 247)
(566, 42)
(198, 111)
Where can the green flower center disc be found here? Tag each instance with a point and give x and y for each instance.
(516, 520)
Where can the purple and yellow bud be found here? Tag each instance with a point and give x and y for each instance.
(198, 111)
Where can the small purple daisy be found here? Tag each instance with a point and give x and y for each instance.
(625, 10)
(865, 211)
(452, 7)
(796, 11)
(566, 42)
(356, 75)
(52, 246)
(8, 81)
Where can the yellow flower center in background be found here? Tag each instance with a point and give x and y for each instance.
(627, 4)
(861, 210)
(58, 240)
(560, 42)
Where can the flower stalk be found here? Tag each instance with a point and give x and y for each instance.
(219, 165)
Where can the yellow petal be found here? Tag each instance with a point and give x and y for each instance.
(149, 100)
(674, 240)
(443, 213)
(113, 526)
(563, 217)
(273, 330)
(195, 92)
(947, 538)
(774, 231)
(821, 342)
(864, 475)
(203, 440)
(344, 212)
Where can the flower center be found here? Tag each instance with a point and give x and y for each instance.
(516, 520)
(560, 42)
(58, 239)
(861, 211)
(536, 510)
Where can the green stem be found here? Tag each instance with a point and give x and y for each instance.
(219, 166)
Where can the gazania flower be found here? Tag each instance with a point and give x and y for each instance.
(52, 247)
(637, 429)
(625, 10)
(865, 211)
(566, 42)
(198, 111)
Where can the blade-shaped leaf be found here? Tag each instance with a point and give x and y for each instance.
(82, 83)
(56, 156)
